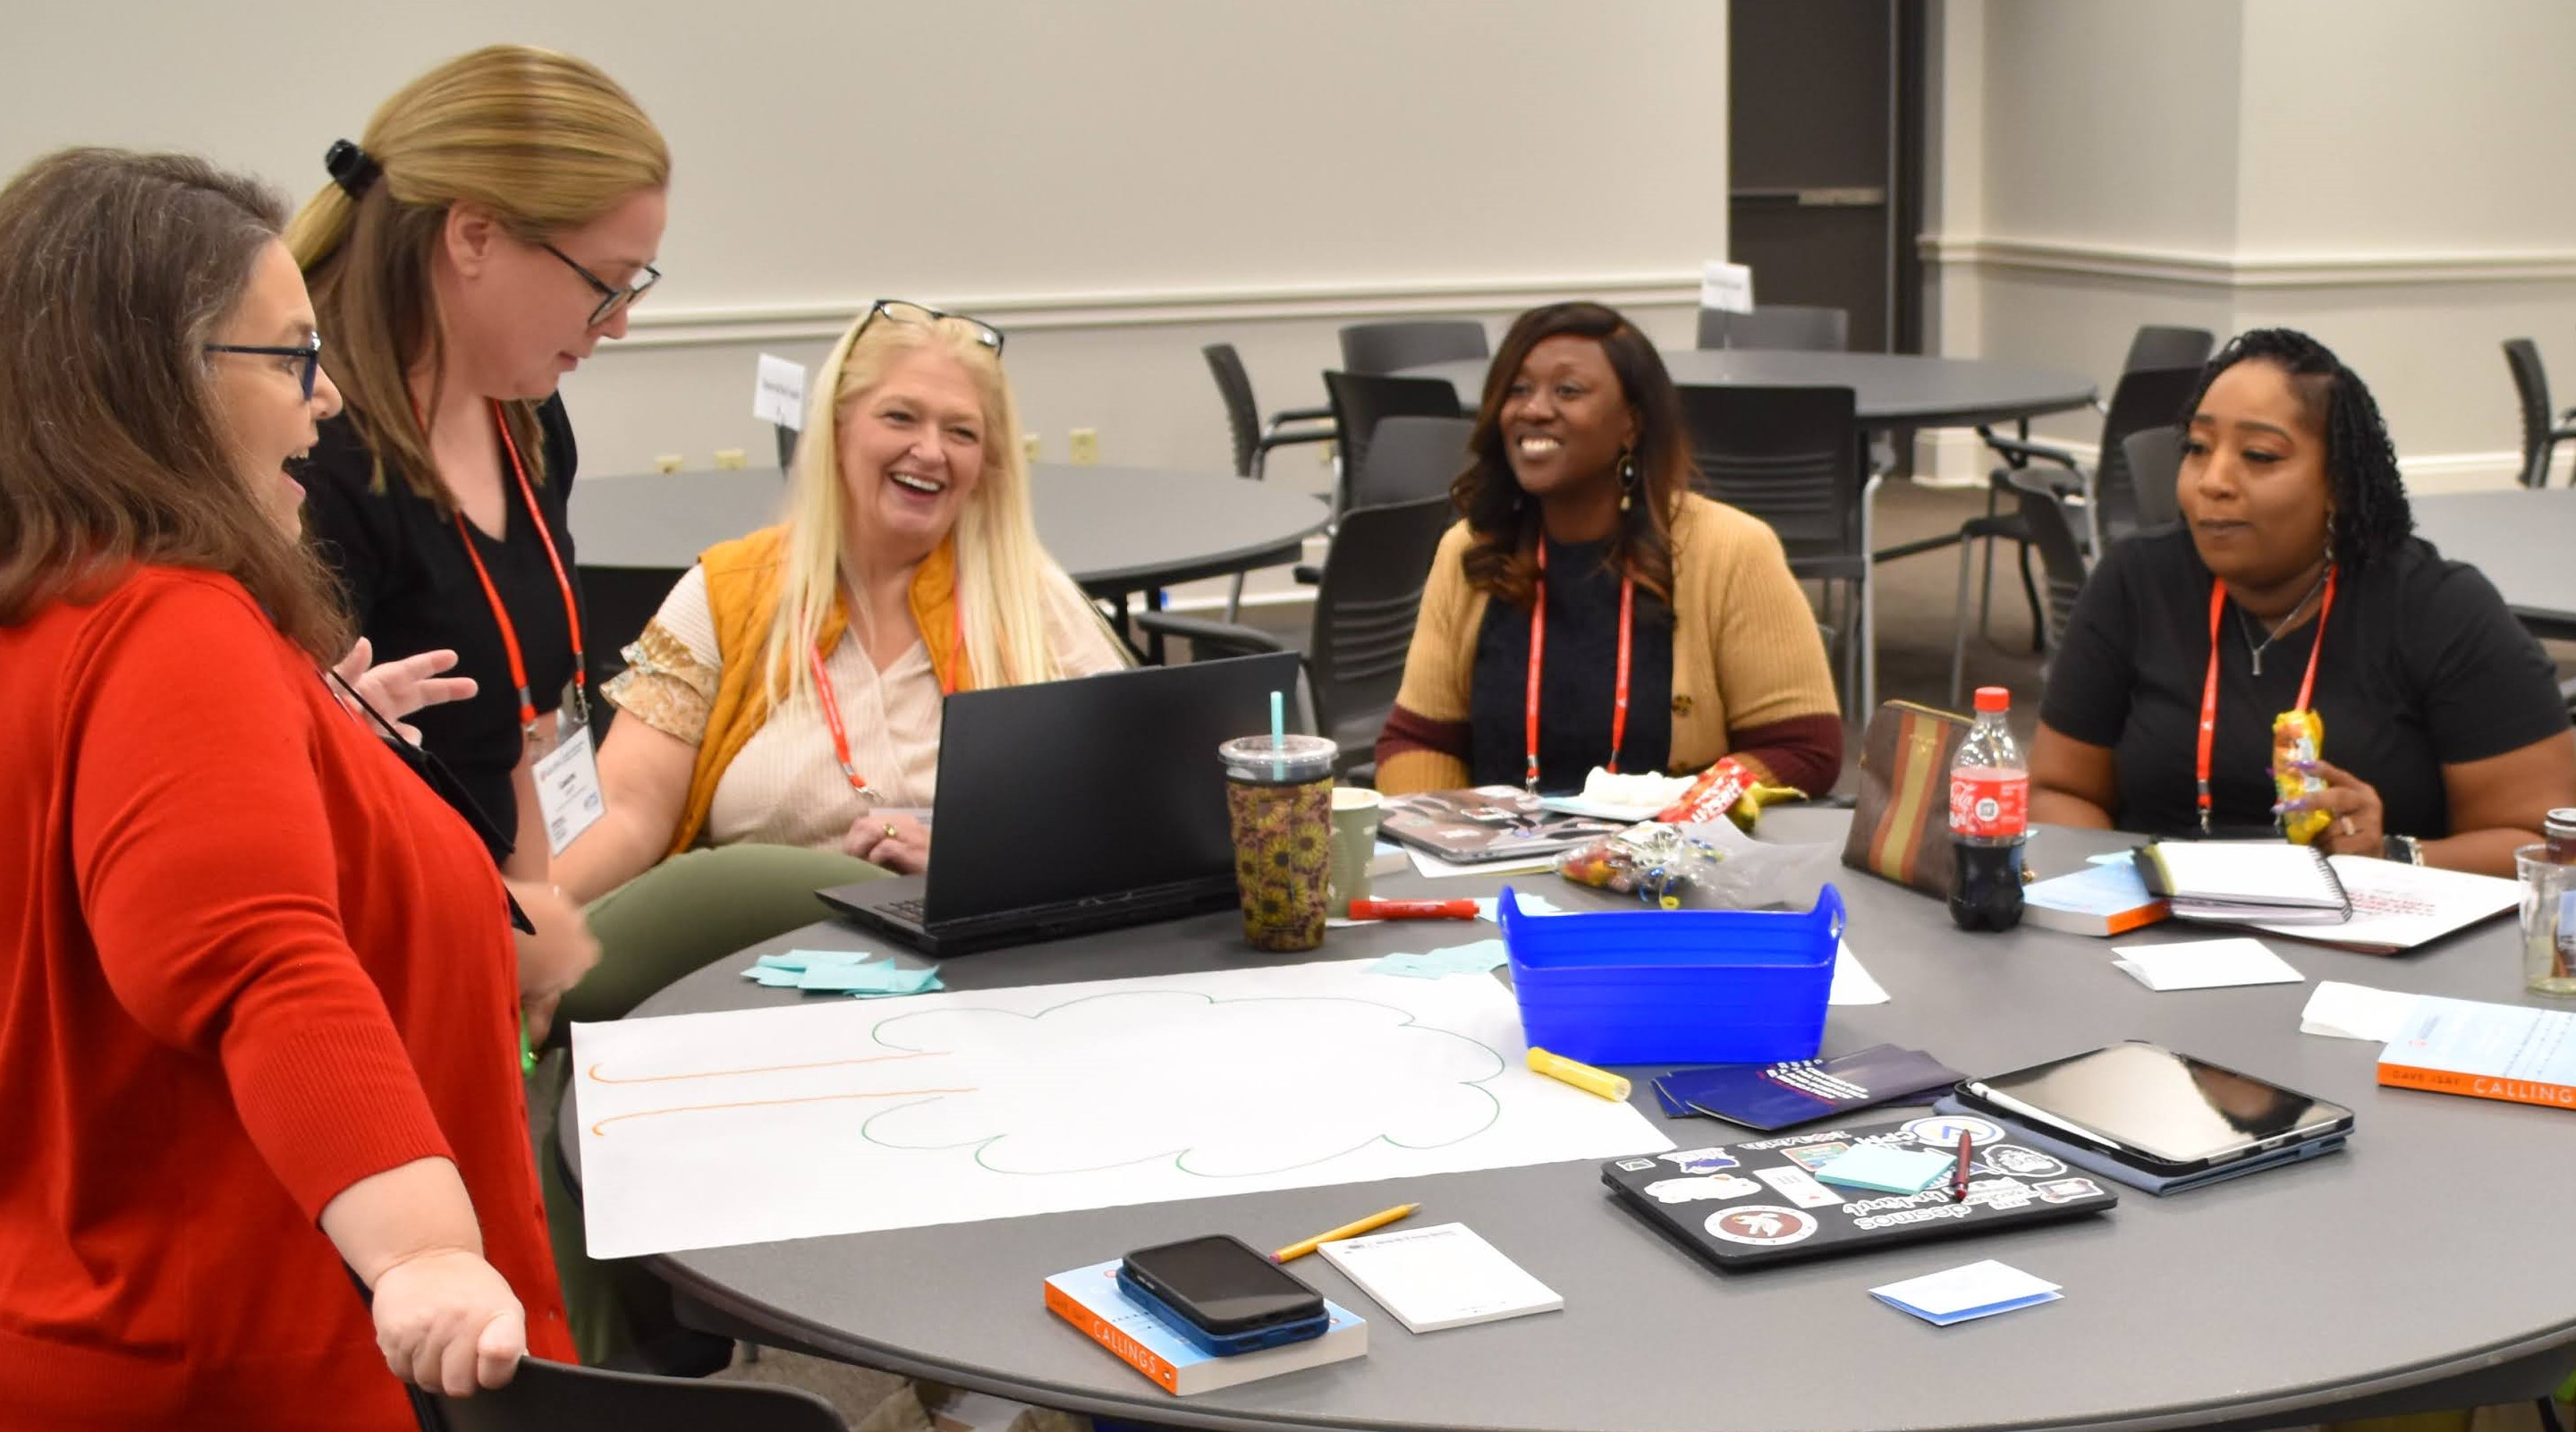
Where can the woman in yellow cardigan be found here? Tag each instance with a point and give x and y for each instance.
(1592, 610)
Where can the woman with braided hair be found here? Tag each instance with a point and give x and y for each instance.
(2295, 582)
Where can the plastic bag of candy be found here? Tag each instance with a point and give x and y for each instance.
(1664, 866)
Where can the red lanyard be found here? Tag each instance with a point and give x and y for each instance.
(501, 614)
(1538, 657)
(832, 704)
(2209, 685)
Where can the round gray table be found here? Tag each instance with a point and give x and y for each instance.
(1891, 390)
(2430, 1265)
(2521, 538)
(1114, 529)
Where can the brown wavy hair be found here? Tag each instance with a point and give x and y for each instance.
(544, 141)
(1502, 553)
(116, 269)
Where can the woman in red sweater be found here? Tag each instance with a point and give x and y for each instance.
(258, 1004)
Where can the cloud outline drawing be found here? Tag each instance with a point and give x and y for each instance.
(1134, 1049)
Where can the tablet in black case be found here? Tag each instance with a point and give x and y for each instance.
(1748, 1204)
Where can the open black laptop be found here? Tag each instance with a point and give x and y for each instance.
(1079, 805)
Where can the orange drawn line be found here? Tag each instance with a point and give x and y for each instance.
(766, 1103)
(598, 1077)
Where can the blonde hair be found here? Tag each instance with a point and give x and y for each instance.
(1003, 572)
(544, 141)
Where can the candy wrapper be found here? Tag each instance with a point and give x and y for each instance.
(1708, 866)
(2297, 738)
(1725, 789)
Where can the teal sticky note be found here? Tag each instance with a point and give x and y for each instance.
(1478, 958)
(886, 980)
(792, 963)
(772, 977)
(1419, 967)
(1887, 1170)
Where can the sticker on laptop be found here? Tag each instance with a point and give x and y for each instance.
(1702, 1160)
(1636, 1165)
(1815, 1156)
(1692, 1190)
(2020, 1162)
(1943, 1130)
(1799, 1187)
(1999, 1193)
(2067, 1190)
(1761, 1225)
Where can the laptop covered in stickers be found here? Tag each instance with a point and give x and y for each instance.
(1744, 1205)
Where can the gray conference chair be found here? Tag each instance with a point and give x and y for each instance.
(2155, 464)
(1407, 343)
(1411, 457)
(1777, 325)
(2542, 430)
(2158, 346)
(2052, 533)
(1363, 400)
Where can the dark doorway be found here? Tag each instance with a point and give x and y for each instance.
(1825, 159)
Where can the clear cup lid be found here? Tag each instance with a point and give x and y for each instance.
(1291, 758)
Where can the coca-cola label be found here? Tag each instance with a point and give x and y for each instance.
(1989, 802)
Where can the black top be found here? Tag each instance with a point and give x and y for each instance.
(1577, 680)
(403, 567)
(2423, 667)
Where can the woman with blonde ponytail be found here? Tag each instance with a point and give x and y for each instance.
(788, 692)
(490, 226)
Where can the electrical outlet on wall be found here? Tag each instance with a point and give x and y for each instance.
(1083, 446)
(670, 462)
(1029, 448)
(730, 458)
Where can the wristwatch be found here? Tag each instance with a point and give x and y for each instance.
(2401, 847)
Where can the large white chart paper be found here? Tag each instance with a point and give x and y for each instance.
(708, 1130)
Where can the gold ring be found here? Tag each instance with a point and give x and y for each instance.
(890, 829)
(2348, 827)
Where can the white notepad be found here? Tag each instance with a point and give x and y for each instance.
(1440, 1277)
(2205, 964)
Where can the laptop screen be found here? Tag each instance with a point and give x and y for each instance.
(1091, 787)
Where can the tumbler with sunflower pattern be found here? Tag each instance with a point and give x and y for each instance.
(1279, 792)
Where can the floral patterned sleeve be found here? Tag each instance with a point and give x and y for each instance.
(669, 682)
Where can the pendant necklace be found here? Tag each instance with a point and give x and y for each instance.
(2247, 622)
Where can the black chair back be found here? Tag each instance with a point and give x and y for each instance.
(1411, 458)
(1242, 414)
(1790, 456)
(2061, 552)
(1406, 343)
(1361, 400)
(557, 1397)
(2155, 464)
(2146, 398)
(2157, 346)
(1777, 325)
(1365, 609)
(2531, 385)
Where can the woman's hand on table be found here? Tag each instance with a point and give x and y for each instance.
(889, 841)
(2357, 828)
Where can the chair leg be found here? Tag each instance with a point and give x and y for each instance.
(2030, 593)
(1868, 598)
(1234, 599)
(1959, 626)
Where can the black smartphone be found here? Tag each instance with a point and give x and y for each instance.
(1219, 1287)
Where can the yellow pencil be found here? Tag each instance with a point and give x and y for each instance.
(1581, 1076)
(1347, 1230)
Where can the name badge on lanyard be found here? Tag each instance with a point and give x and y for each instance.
(568, 775)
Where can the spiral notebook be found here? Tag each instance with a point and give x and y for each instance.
(2235, 881)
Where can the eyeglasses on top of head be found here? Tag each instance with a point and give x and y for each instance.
(310, 352)
(611, 298)
(905, 311)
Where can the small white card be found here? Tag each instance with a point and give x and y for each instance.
(1979, 1290)
(778, 393)
(568, 785)
(2350, 1011)
(2205, 964)
(1726, 286)
(1440, 1277)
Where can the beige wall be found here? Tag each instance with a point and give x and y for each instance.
(2374, 171)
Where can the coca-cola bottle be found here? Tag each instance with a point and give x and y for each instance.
(1989, 819)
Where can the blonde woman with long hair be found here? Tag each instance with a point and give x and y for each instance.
(490, 226)
(788, 691)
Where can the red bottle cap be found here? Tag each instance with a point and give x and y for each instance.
(1994, 698)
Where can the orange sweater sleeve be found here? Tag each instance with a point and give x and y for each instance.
(202, 853)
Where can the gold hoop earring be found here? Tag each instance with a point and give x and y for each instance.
(1627, 477)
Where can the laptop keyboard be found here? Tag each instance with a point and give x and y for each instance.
(904, 910)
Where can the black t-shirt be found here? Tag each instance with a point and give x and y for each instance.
(402, 565)
(2423, 667)
(1578, 679)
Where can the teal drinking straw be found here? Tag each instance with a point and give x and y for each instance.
(1278, 734)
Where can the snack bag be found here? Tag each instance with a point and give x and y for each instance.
(1726, 789)
(2297, 736)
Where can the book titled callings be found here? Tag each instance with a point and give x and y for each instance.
(2487, 1051)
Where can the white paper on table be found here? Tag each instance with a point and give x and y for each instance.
(1726, 286)
(710, 1130)
(2205, 964)
(2400, 906)
(1432, 865)
(778, 392)
(2350, 1011)
(1444, 1276)
(1852, 983)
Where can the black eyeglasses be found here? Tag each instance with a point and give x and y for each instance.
(904, 311)
(310, 352)
(611, 299)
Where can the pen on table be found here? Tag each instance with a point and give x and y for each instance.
(1581, 1076)
(1347, 1230)
(1959, 1172)
(1413, 909)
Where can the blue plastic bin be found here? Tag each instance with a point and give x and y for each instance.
(1675, 986)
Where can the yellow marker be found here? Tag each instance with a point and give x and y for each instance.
(1581, 1076)
(1347, 1230)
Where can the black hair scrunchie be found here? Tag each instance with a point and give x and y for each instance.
(352, 168)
